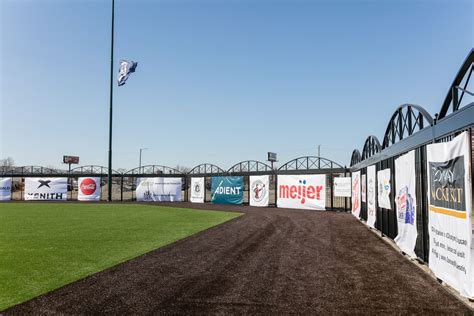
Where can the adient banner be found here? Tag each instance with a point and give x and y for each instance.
(302, 191)
(371, 192)
(450, 217)
(158, 189)
(88, 189)
(227, 190)
(49, 189)
(405, 175)
(198, 190)
(355, 194)
(5, 189)
(259, 190)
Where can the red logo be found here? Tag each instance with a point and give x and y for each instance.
(301, 191)
(88, 186)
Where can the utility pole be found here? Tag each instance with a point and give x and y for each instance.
(140, 161)
(110, 109)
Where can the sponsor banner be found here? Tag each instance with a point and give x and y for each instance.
(355, 194)
(5, 189)
(405, 201)
(450, 213)
(259, 190)
(88, 189)
(198, 190)
(227, 190)
(158, 189)
(50, 189)
(342, 187)
(302, 191)
(371, 192)
(363, 184)
(384, 188)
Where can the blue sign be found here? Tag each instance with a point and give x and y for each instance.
(227, 190)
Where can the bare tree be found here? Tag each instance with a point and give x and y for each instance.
(7, 162)
(182, 169)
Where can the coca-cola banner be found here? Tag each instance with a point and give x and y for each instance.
(371, 192)
(450, 213)
(5, 189)
(355, 194)
(405, 201)
(88, 189)
(384, 188)
(158, 189)
(302, 191)
(342, 187)
(50, 189)
(198, 190)
(259, 190)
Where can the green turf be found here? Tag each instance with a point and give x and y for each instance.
(46, 245)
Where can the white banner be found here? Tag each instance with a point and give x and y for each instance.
(45, 189)
(259, 190)
(342, 186)
(363, 184)
(302, 191)
(158, 189)
(198, 190)
(371, 192)
(384, 188)
(355, 194)
(88, 189)
(5, 189)
(450, 213)
(405, 201)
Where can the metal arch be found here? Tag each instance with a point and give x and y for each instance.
(36, 170)
(371, 147)
(453, 100)
(308, 163)
(153, 170)
(249, 166)
(207, 168)
(355, 158)
(404, 122)
(93, 169)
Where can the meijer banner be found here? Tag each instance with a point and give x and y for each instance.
(342, 187)
(302, 191)
(49, 189)
(5, 189)
(384, 188)
(198, 190)
(227, 190)
(405, 199)
(355, 194)
(158, 189)
(88, 189)
(259, 190)
(371, 192)
(450, 217)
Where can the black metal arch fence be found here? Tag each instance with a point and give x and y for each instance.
(412, 128)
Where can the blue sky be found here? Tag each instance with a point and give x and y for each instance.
(219, 81)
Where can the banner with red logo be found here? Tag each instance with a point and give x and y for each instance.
(371, 192)
(355, 194)
(450, 213)
(302, 191)
(49, 189)
(405, 202)
(259, 190)
(88, 189)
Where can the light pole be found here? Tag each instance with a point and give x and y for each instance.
(140, 161)
(109, 176)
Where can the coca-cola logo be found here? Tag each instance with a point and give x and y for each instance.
(88, 186)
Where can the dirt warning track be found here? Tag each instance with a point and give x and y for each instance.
(267, 261)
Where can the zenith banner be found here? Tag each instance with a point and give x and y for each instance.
(227, 190)
(405, 175)
(259, 190)
(371, 192)
(356, 194)
(5, 189)
(49, 189)
(302, 191)
(88, 189)
(384, 188)
(450, 207)
(158, 189)
(198, 190)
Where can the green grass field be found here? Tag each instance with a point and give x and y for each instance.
(44, 246)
